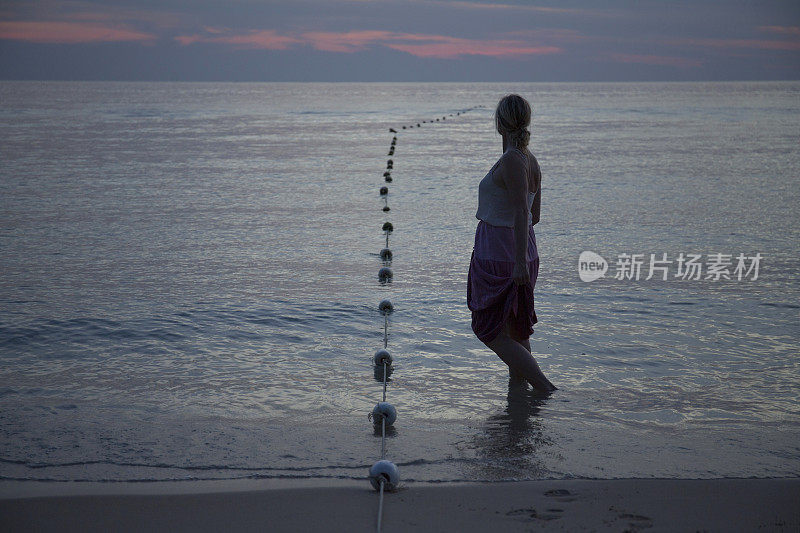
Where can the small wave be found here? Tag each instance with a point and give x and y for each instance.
(780, 305)
(193, 478)
(35, 465)
(131, 464)
(83, 329)
(337, 113)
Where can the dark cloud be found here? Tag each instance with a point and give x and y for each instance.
(399, 40)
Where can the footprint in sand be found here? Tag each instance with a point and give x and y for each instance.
(562, 495)
(636, 521)
(530, 513)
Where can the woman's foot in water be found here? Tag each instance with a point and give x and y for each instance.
(516, 379)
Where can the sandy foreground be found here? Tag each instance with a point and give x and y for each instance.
(550, 505)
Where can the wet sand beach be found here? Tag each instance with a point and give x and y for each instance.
(550, 505)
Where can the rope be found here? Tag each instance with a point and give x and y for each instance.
(384, 385)
(380, 508)
(383, 419)
(383, 440)
(382, 480)
(383, 452)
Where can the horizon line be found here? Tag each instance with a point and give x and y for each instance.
(83, 80)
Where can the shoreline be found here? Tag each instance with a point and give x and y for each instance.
(634, 504)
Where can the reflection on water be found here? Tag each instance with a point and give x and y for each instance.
(198, 292)
(510, 444)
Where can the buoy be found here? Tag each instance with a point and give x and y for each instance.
(383, 410)
(378, 373)
(386, 306)
(384, 191)
(389, 162)
(386, 254)
(387, 226)
(387, 173)
(382, 356)
(385, 273)
(386, 208)
(384, 471)
(404, 127)
(437, 120)
(393, 131)
(388, 179)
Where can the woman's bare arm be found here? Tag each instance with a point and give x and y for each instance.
(514, 176)
(536, 208)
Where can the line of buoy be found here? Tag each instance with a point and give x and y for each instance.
(444, 117)
(383, 475)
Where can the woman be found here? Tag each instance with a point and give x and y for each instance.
(505, 261)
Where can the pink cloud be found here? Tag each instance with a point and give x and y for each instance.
(263, 39)
(351, 41)
(739, 43)
(69, 32)
(481, 5)
(785, 30)
(669, 61)
(420, 45)
(423, 45)
(551, 35)
(458, 47)
(110, 14)
(461, 4)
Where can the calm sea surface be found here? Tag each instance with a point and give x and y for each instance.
(189, 290)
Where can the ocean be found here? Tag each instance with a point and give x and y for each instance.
(189, 281)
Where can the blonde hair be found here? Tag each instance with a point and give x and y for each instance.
(512, 117)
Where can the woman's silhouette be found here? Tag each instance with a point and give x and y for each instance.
(505, 260)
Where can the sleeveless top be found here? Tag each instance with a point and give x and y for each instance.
(493, 205)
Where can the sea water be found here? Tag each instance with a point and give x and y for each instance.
(189, 289)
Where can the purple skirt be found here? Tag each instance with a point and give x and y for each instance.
(492, 295)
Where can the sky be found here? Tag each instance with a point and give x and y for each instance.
(400, 40)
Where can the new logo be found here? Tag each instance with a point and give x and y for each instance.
(591, 266)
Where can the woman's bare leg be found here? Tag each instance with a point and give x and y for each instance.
(526, 344)
(519, 359)
(515, 376)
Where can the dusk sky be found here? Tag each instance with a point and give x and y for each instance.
(399, 40)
